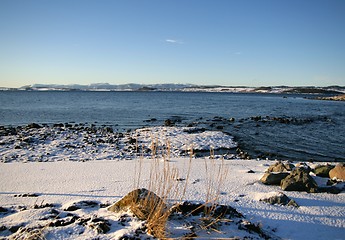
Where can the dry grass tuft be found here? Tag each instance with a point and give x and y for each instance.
(162, 183)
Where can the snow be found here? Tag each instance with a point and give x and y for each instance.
(56, 144)
(183, 138)
(63, 183)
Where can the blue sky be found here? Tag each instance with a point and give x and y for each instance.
(233, 43)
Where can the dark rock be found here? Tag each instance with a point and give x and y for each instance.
(280, 199)
(14, 229)
(30, 140)
(81, 205)
(188, 207)
(216, 210)
(303, 165)
(100, 225)
(63, 222)
(3, 210)
(338, 172)
(108, 130)
(251, 227)
(169, 123)
(250, 171)
(332, 189)
(273, 178)
(58, 125)
(3, 228)
(280, 167)
(132, 141)
(151, 120)
(194, 130)
(27, 195)
(323, 170)
(34, 125)
(36, 206)
(256, 118)
(299, 180)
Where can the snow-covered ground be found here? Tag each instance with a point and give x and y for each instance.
(34, 194)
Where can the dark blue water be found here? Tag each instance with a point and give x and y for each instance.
(316, 130)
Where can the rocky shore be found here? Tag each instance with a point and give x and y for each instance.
(76, 182)
(334, 98)
(82, 142)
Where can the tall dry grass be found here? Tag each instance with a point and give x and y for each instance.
(163, 183)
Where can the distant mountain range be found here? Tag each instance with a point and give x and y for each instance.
(180, 87)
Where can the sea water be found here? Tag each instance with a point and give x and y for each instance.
(316, 130)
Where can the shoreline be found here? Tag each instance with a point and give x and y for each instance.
(58, 182)
(56, 142)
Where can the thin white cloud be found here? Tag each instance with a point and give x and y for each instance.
(174, 41)
(238, 53)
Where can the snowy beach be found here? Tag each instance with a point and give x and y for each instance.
(57, 191)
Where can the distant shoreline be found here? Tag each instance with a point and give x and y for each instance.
(331, 90)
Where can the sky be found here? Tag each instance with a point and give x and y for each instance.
(206, 42)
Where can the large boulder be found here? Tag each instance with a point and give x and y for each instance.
(273, 178)
(299, 180)
(280, 167)
(323, 170)
(338, 172)
(141, 202)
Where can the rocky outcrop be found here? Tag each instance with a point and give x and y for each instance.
(280, 167)
(323, 170)
(299, 180)
(273, 178)
(338, 172)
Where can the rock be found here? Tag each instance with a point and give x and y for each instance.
(338, 172)
(79, 205)
(299, 180)
(280, 167)
(141, 202)
(100, 225)
(303, 165)
(15, 228)
(216, 211)
(169, 123)
(58, 125)
(323, 170)
(63, 222)
(194, 130)
(280, 199)
(3, 210)
(27, 195)
(34, 125)
(273, 178)
(331, 189)
(3, 228)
